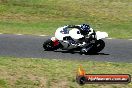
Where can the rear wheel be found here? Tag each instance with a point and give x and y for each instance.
(49, 45)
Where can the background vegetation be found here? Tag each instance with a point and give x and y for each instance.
(45, 16)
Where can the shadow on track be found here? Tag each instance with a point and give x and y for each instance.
(73, 52)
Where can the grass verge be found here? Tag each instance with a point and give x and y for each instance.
(45, 16)
(46, 73)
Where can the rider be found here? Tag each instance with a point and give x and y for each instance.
(84, 29)
(62, 33)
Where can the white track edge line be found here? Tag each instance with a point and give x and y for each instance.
(46, 35)
(19, 34)
(109, 38)
(41, 35)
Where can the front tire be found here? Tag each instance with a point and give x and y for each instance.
(99, 45)
(93, 49)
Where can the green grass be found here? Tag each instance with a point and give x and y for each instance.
(46, 73)
(44, 16)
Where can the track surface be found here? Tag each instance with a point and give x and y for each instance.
(28, 46)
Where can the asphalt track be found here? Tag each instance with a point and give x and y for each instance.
(27, 46)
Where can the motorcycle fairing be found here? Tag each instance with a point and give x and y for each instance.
(101, 35)
(74, 33)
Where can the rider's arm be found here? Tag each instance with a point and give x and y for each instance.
(74, 26)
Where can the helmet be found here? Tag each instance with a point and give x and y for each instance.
(85, 29)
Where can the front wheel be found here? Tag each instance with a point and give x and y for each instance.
(49, 45)
(99, 45)
(93, 48)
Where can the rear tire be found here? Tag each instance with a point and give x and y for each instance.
(49, 45)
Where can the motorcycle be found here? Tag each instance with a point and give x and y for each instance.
(90, 43)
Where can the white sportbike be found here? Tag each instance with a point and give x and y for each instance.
(90, 43)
